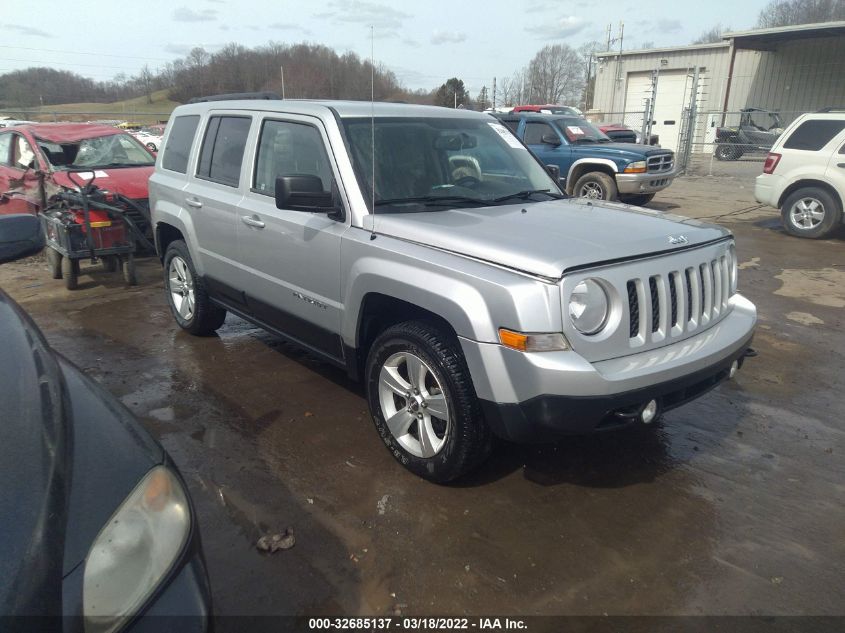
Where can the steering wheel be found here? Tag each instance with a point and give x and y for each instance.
(470, 182)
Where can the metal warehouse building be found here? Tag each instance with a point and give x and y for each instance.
(790, 70)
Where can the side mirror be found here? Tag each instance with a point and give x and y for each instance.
(550, 139)
(554, 172)
(303, 193)
(20, 236)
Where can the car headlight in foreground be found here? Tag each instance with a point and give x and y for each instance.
(134, 551)
(588, 306)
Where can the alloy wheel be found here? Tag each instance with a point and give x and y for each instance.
(807, 213)
(413, 404)
(592, 190)
(181, 286)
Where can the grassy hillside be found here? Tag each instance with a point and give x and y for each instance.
(135, 110)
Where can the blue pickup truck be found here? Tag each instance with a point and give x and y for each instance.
(591, 164)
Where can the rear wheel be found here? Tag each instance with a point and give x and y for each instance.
(638, 201)
(189, 302)
(726, 151)
(54, 260)
(111, 263)
(595, 185)
(423, 403)
(811, 212)
(70, 272)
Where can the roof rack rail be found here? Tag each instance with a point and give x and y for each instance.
(237, 96)
(831, 109)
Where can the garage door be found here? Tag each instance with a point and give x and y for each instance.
(672, 95)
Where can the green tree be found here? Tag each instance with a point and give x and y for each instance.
(452, 94)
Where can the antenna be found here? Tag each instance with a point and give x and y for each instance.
(373, 127)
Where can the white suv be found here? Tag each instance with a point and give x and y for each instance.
(804, 174)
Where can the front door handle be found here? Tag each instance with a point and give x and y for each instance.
(842, 165)
(251, 221)
(193, 202)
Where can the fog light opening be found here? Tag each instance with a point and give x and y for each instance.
(734, 369)
(649, 412)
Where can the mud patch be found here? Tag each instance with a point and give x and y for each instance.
(825, 287)
(804, 318)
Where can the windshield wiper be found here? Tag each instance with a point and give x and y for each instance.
(585, 139)
(430, 200)
(524, 195)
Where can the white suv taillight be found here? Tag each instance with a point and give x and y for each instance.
(772, 161)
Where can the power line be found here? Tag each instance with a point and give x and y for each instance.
(43, 61)
(54, 50)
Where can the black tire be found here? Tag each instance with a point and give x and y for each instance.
(54, 260)
(827, 204)
(638, 201)
(206, 317)
(152, 147)
(468, 441)
(111, 263)
(127, 267)
(70, 272)
(725, 151)
(597, 182)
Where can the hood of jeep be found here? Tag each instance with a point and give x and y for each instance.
(548, 238)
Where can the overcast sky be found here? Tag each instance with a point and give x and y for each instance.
(423, 42)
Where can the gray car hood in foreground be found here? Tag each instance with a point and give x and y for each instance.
(547, 238)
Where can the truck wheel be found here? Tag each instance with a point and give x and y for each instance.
(70, 272)
(111, 263)
(54, 260)
(189, 302)
(423, 402)
(595, 185)
(127, 265)
(810, 212)
(638, 201)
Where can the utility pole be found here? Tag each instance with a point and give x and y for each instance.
(494, 93)
(282, 69)
(617, 74)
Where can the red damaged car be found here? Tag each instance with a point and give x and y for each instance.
(35, 161)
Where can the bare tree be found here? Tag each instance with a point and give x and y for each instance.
(711, 35)
(788, 12)
(556, 75)
(146, 79)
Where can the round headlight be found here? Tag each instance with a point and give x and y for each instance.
(588, 306)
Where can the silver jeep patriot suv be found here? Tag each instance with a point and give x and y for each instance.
(429, 253)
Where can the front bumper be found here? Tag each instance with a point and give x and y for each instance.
(630, 184)
(538, 396)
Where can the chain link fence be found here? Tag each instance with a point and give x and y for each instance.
(613, 124)
(730, 143)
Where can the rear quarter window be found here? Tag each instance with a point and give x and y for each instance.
(5, 148)
(222, 151)
(813, 135)
(178, 147)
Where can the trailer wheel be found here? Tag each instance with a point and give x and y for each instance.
(54, 259)
(111, 263)
(70, 272)
(128, 267)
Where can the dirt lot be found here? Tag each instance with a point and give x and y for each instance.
(734, 504)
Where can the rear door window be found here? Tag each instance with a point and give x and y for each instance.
(23, 157)
(813, 135)
(223, 149)
(178, 147)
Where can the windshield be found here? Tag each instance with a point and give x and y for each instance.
(443, 163)
(577, 130)
(116, 150)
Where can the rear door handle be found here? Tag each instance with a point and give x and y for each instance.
(842, 165)
(193, 202)
(250, 221)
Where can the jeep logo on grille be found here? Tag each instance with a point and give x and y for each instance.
(678, 239)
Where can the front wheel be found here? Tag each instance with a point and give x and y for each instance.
(727, 152)
(639, 200)
(596, 185)
(811, 212)
(70, 272)
(127, 265)
(54, 260)
(189, 302)
(423, 402)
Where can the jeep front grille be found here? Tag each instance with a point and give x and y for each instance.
(661, 163)
(675, 302)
